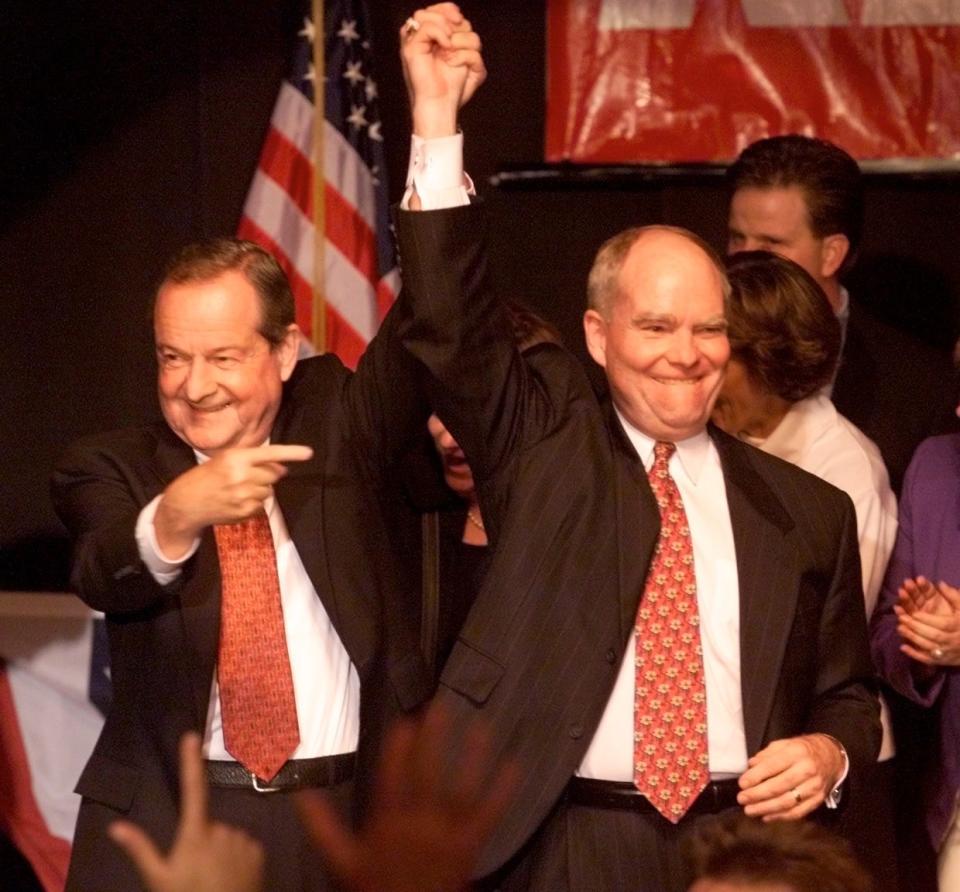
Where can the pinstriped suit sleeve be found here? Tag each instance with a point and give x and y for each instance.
(488, 398)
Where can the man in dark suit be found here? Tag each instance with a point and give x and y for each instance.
(250, 435)
(547, 655)
(803, 198)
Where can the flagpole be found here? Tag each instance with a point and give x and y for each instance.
(319, 180)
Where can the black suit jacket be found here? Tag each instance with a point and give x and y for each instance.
(163, 640)
(897, 390)
(573, 523)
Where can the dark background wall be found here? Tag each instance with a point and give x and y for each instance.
(129, 129)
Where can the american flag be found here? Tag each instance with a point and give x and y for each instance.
(360, 278)
(54, 690)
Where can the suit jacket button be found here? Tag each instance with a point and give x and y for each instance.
(576, 731)
(611, 656)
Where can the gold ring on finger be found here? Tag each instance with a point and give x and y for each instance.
(796, 796)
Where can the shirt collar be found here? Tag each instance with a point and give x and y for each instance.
(803, 424)
(843, 314)
(691, 452)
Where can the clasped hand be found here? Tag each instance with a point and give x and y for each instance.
(928, 621)
(789, 778)
(442, 67)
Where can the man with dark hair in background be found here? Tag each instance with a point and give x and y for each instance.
(803, 198)
(239, 557)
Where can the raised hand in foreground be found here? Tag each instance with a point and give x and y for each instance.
(423, 832)
(207, 856)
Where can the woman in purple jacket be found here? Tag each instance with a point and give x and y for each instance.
(915, 631)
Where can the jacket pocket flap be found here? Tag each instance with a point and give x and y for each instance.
(110, 783)
(471, 672)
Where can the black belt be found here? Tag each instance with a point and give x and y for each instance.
(717, 796)
(295, 774)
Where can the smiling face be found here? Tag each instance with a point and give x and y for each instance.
(662, 340)
(219, 380)
(456, 471)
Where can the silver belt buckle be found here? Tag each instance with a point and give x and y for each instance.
(259, 789)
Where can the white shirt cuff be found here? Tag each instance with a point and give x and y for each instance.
(436, 173)
(162, 569)
(833, 797)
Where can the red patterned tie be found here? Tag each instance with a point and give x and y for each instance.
(670, 764)
(260, 727)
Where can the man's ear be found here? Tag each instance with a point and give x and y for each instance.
(833, 251)
(288, 350)
(595, 332)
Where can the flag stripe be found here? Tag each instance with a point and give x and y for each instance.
(343, 166)
(350, 345)
(293, 120)
(350, 233)
(273, 211)
(48, 855)
(283, 163)
(350, 293)
(359, 317)
(302, 291)
(293, 117)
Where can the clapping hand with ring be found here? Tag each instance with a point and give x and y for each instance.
(928, 621)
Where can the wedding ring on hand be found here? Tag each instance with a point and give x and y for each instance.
(937, 653)
(411, 26)
(796, 796)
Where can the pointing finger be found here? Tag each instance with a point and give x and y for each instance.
(193, 785)
(140, 850)
(280, 452)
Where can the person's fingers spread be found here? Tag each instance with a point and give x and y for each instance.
(396, 767)
(325, 827)
(140, 850)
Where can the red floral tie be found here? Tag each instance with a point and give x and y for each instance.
(670, 765)
(260, 727)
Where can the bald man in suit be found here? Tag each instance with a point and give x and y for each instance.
(547, 654)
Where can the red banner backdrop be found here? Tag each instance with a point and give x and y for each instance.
(698, 80)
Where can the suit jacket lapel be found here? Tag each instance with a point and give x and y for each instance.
(638, 522)
(300, 495)
(304, 498)
(768, 580)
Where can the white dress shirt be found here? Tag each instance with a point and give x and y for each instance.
(696, 469)
(326, 686)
